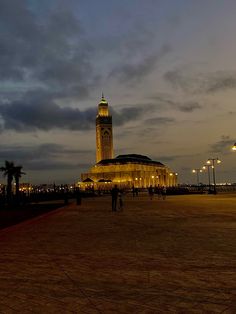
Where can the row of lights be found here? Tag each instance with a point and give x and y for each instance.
(211, 162)
(156, 177)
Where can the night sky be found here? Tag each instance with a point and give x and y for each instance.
(166, 67)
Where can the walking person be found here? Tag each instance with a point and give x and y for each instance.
(163, 192)
(114, 196)
(159, 192)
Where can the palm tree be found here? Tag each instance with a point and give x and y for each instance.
(8, 171)
(17, 175)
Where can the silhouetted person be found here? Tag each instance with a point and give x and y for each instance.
(159, 191)
(114, 196)
(163, 192)
(133, 191)
(155, 190)
(150, 191)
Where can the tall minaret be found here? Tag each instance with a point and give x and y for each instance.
(104, 139)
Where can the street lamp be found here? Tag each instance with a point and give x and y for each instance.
(211, 161)
(209, 176)
(197, 171)
(234, 147)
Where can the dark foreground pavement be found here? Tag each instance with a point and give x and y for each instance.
(172, 256)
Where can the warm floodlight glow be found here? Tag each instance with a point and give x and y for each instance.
(152, 177)
(208, 161)
(171, 174)
(234, 147)
(193, 171)
(204, 167)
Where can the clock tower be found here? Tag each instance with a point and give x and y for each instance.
(104, 138)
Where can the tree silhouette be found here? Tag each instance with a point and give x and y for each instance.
(17, 175)
(8, 171)
(11, 171)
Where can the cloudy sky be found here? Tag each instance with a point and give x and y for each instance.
(166, 67)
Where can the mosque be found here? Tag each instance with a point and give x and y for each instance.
(124, 170)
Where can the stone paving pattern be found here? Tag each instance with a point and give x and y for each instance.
(162, 256)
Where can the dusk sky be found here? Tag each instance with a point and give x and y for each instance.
(166, 67)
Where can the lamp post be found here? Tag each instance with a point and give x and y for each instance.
(211, 161)
(209, 176)
(197, 171)
(234, 147)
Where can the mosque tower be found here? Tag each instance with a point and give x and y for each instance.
(104, 138)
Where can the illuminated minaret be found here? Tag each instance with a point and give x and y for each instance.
(104, 139)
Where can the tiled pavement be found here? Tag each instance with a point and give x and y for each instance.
(172, 256)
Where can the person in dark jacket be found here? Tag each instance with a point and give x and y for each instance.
(150, 192)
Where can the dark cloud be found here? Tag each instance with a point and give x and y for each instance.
(135, 72)
(221, 81)
(54, 165)
(48, 49)
(124, 133)
(223, 146)
(165, 101)
(207, 83)
(148, 126)
(47, 156)
(44, 115)
(189, 106)
(45, 60)
(179, 79)
(46, 150)
(130, 113)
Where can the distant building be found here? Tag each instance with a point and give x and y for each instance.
(125, 170)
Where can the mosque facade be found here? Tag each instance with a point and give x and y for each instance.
(127, 171)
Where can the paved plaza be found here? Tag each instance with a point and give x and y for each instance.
(162, 256)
